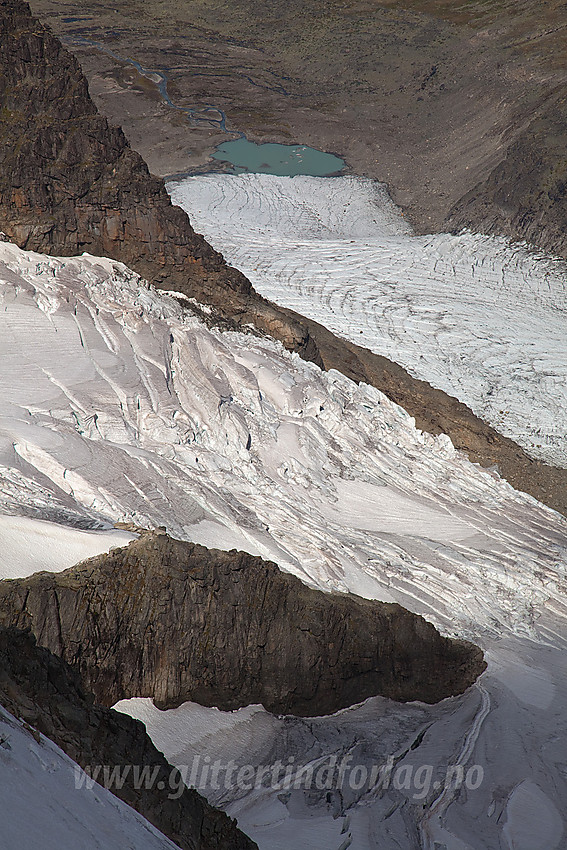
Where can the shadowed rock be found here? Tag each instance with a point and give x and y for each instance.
(175, 621)
(47, 694)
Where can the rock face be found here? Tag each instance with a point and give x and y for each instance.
(69, 183)
(525, 196)
(42, 690)
(175, 621)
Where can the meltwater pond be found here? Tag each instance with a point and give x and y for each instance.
(280, 160)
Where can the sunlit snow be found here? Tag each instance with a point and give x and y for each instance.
(470, 314)
(117, 404)
(30, 545)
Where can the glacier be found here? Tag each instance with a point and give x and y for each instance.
(472, 315)
(117, 404)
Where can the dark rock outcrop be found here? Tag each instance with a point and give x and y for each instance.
(47, 694)
(70, 182)
(175, 621)
(525, 195)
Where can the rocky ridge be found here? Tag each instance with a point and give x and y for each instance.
(176, 622)
(45, 693)
(72, 183)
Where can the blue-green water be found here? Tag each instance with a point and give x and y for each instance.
(281, 160)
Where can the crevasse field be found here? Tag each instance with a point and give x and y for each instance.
(117, 404)
(470, 314)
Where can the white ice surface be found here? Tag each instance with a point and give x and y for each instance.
(43, 809)
(470, 314)
(531, 819)
(28, 545)
(115, 404)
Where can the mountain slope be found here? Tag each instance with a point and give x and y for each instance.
(70, 182)
(47, 694)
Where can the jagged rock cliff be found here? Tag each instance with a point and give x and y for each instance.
(175, 621)
(70, 182)
(47, 694)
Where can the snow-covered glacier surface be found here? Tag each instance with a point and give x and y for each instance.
(49, 803)
(117, 404)
(31, 545)
(470, 314)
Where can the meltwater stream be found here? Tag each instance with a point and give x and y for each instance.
(244, 155)
(207, 114)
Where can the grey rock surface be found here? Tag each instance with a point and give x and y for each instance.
(48, 695)
(174, 621)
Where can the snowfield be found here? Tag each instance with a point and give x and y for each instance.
(42, 807)
(30, 545)
(470, 314)
(117, 404)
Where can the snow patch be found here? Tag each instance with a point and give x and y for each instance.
(30, 545)
(43, 807)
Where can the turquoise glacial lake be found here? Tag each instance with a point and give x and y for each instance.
(281, 160)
